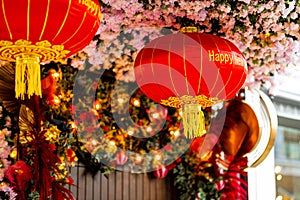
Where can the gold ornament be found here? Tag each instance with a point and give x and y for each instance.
(28, 57)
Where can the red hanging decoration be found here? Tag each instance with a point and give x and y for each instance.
(162, 172)
(240, 134)
(202, 146)
(121, 157)
(19, 176)
(48, 85)
(190, 70)
(34, 31)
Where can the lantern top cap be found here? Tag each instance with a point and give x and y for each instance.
(189, 29)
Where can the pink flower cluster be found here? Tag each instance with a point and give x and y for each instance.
(5, 150)
(267, 33)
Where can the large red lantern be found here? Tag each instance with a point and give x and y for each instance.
(34, 31)
(190, 70)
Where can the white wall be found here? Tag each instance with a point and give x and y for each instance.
(261, 180)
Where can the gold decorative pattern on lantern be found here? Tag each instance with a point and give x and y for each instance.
(9, 51)
(192, 115)
(28, 57)
(92, 7)
(189, 29)
(202, 100)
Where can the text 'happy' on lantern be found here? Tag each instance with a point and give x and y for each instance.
(34, 31)
(192, 71)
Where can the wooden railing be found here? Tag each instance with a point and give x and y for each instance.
(120, 186)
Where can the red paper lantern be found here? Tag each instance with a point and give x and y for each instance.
(48, 85)
(162, 172)
(203, 144)
(34, 31)
(197, 144)
(121, 157)
(190, 70)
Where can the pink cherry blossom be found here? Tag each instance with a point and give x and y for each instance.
(262, 31)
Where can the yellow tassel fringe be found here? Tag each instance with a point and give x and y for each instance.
(193, 120)
(27, 76)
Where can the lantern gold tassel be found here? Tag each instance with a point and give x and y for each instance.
(27, 76)
(193, 120)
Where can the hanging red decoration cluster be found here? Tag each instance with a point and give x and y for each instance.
(190, 70)
(34, 31)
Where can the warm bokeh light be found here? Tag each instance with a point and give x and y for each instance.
(279, 197)
(149, 129)
(130, 132)
(175, 133)
(56, 100)
(155, 115)
(279, 177)
(13, 154)
(136, 102)
(138, 158)
(55, 75)
(112, 143)
(94, 142)
(121, 100)
(97, 106)
(277, 169)
(157, 157)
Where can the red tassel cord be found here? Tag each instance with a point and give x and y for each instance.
(44, 164)
(44, 160)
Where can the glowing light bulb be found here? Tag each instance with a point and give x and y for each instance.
(180, 113)
(120, 100)
(279, 197)
(56, 100)
(13, 154)
(155, 115)
(138, 158)
(73, 125)
(112, 143)
(130, 132)
(279, 177)
(136, 102)
(94, 142)
(97, 106)
(277, 169)
(157, 157)
(55, 75)
(175, 133)
(149, 129)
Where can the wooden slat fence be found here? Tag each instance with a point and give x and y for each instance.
(120, 186)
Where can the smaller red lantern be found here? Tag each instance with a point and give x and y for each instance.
(196, 144)
(162, 172)
(121, 158)
(48, 86)
(203, 145)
